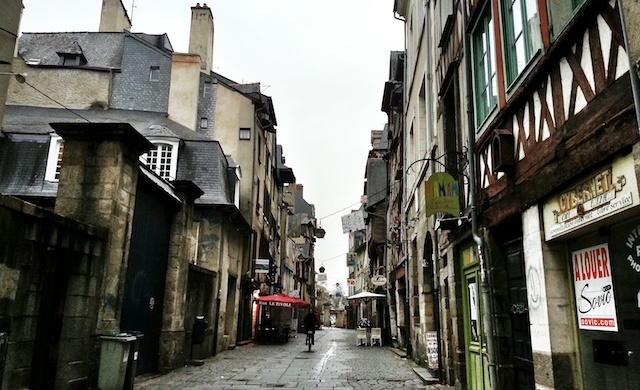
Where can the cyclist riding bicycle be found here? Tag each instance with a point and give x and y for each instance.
(309, 322)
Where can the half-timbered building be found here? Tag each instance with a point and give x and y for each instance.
(557, 148)
(534, 284)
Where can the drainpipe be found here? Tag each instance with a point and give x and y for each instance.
(404, 237)
(435, 285)
(485, 285)
(633, 73)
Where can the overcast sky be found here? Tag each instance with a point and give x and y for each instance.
(323, 62)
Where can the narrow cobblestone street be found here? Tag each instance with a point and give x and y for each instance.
(335, 362)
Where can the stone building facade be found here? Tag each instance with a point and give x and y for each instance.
(172, 242)
(532, 109)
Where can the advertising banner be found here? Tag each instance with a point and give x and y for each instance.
(262, 266)
(442, 194)
(351, 259)
(353, 222)
(595, 302)
(431, 341)
(602, 194)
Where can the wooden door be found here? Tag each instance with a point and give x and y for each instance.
(475, 344)
(520, 327)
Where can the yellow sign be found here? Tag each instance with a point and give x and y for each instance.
(442, 194)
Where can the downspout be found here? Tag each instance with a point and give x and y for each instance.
(435, 277)
(435, 285)
(485, 285)
(633, 74)
(403, 234)
(216, 319)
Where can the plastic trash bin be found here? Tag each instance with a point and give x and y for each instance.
(114, 356)
(132, 364)
(199, 330)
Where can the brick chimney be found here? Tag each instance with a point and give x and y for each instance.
(114, 17)
(201, 35)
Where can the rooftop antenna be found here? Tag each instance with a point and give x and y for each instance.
(133, 7)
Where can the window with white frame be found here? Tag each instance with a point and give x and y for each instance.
(163, 159)
(54, 158)
(484, 67)
(521, 35)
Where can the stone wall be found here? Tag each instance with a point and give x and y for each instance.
(50, 274)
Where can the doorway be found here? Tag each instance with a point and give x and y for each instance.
(475, 342)
(610, 355)
(524, 378)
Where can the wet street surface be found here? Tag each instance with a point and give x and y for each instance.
(335, 362)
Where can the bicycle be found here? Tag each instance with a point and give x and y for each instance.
(310, 339)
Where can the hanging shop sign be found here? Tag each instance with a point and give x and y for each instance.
(351, 259)
(442, 194)
(261, 266)
(378, 280)
(595, 301)
(351, 282)
(353, 222)
(602, 194)
(301, 252)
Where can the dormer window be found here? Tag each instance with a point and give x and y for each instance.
(54, 159)
(204, 123)
(72, 55)
(72, 60)
(163, 160)
(154, 73)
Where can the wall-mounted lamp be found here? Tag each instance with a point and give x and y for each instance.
(20, 77)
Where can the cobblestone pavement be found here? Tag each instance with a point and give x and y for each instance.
(335, 362)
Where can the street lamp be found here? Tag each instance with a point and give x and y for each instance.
(20, 77)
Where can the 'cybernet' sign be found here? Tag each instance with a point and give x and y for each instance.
(605, 192)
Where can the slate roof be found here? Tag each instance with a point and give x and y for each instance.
(25, 147)
(205, 164)
(23, 161)
(101, 50)
(35, 120)
(285, 174)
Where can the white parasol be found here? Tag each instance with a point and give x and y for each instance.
(366, 295)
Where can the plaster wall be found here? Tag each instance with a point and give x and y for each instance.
(113, 17)
(550, 307)
(234, 111)
(183, 93)
(9, 24)
(74, 88)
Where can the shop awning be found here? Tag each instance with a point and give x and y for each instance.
(281, 300)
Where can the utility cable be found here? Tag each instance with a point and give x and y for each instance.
(57, 102)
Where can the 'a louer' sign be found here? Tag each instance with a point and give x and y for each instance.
(595, 301)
